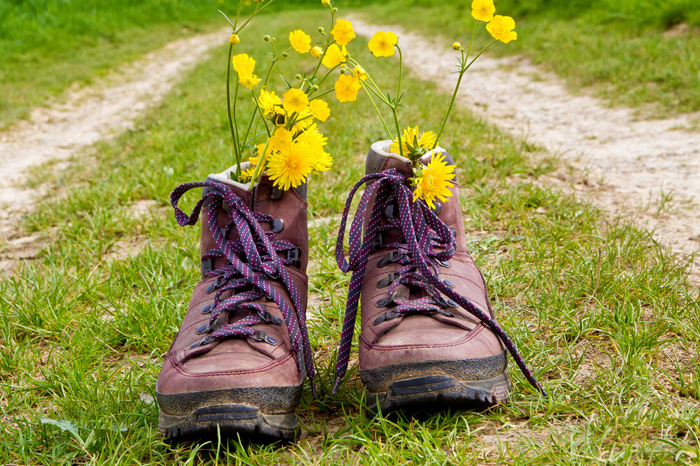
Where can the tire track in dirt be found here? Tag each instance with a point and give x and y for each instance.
(646, 169)
(88, 115)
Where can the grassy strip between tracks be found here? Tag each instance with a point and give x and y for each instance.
(601, 313)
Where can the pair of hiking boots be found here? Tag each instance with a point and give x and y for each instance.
(428, 334)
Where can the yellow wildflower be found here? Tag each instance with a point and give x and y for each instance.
(295, 100)
(334, 56)
(359, 73)
(501, 28)
(456, 46)
(325, 2)
(269, 102)
(346, 88)
(433, 181)
(248, 80)
(320, 110)
(255, 160)
(411, 141)
(302, 121)
(382, 44)
(290, 167)
(234, 39)
(281, 140)
(314, 142)
(316, 52)
(243, 64)
(300, 41)
(247, 174)
(483, 10)
(343, 32)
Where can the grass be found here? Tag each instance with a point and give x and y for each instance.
(626, 52)
(599, 310)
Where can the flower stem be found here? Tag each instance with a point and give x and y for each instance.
(228, 109)
(377, 109)
(398, 130)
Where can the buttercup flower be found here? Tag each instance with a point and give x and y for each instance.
(295, 100)
(316, 52)
(433, 181)
(300, 41)
(483, 10)
(501, 28)
(269, 102)
(334, 56)
(382, 44)
(359, 73)
(456, 46)
(280, 140)
(248, 80)
(290, 167)
(411, 142)
(343, 32)
(320, 110)
(346, 88)
(325, 2)
(234, 39)
(243, 64)
(302, 121)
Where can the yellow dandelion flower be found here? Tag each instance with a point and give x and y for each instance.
(501, 28)
(300, 41)
(334, 56)
(248, 80)
(314, 142)
(234, 39)
(483, 10)
(243, 64)
(433, 181)
(316, 52)
(382, 44)
(302, 121)
(290, 167)
(269, 102)
(413, 142)
(256, 160)
(295, 100)
(281, 140)
(359, 73)
(320, 110)
(346, 88)
(343, 32)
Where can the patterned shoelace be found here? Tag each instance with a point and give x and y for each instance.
(422, 232)
(253, 263)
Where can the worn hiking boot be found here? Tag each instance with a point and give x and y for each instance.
(429, 337)
(240, 358)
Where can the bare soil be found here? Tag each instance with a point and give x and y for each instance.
(89, 114)
(645, 169)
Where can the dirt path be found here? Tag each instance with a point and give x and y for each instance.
(89, 114)
(649, 169)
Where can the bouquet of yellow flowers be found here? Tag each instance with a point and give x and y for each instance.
(291, 146)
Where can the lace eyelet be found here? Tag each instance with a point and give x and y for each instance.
(448, 284)
(207, 309)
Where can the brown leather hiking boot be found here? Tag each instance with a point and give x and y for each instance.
(239, 360)
(429, 336)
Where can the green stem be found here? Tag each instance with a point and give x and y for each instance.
(398, 130)
(322, 94)
(378, 112)
(258, 167)
(255, 98)
(454, 94)
(398, 90)
(237, 139)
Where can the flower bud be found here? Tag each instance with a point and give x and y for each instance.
(272, 40)
(456, 46)
(266, 38)
(347, 55)
(285, 54)
(342, 69)
(234, 39)
(314, 88)
(321, 30)
(316, 52)
(334, 10)
(299, 77)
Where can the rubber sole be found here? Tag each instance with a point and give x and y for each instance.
(439, 391)
(229, 421)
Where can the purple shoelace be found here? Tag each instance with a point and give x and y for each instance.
(253, 263)
(427, 242)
